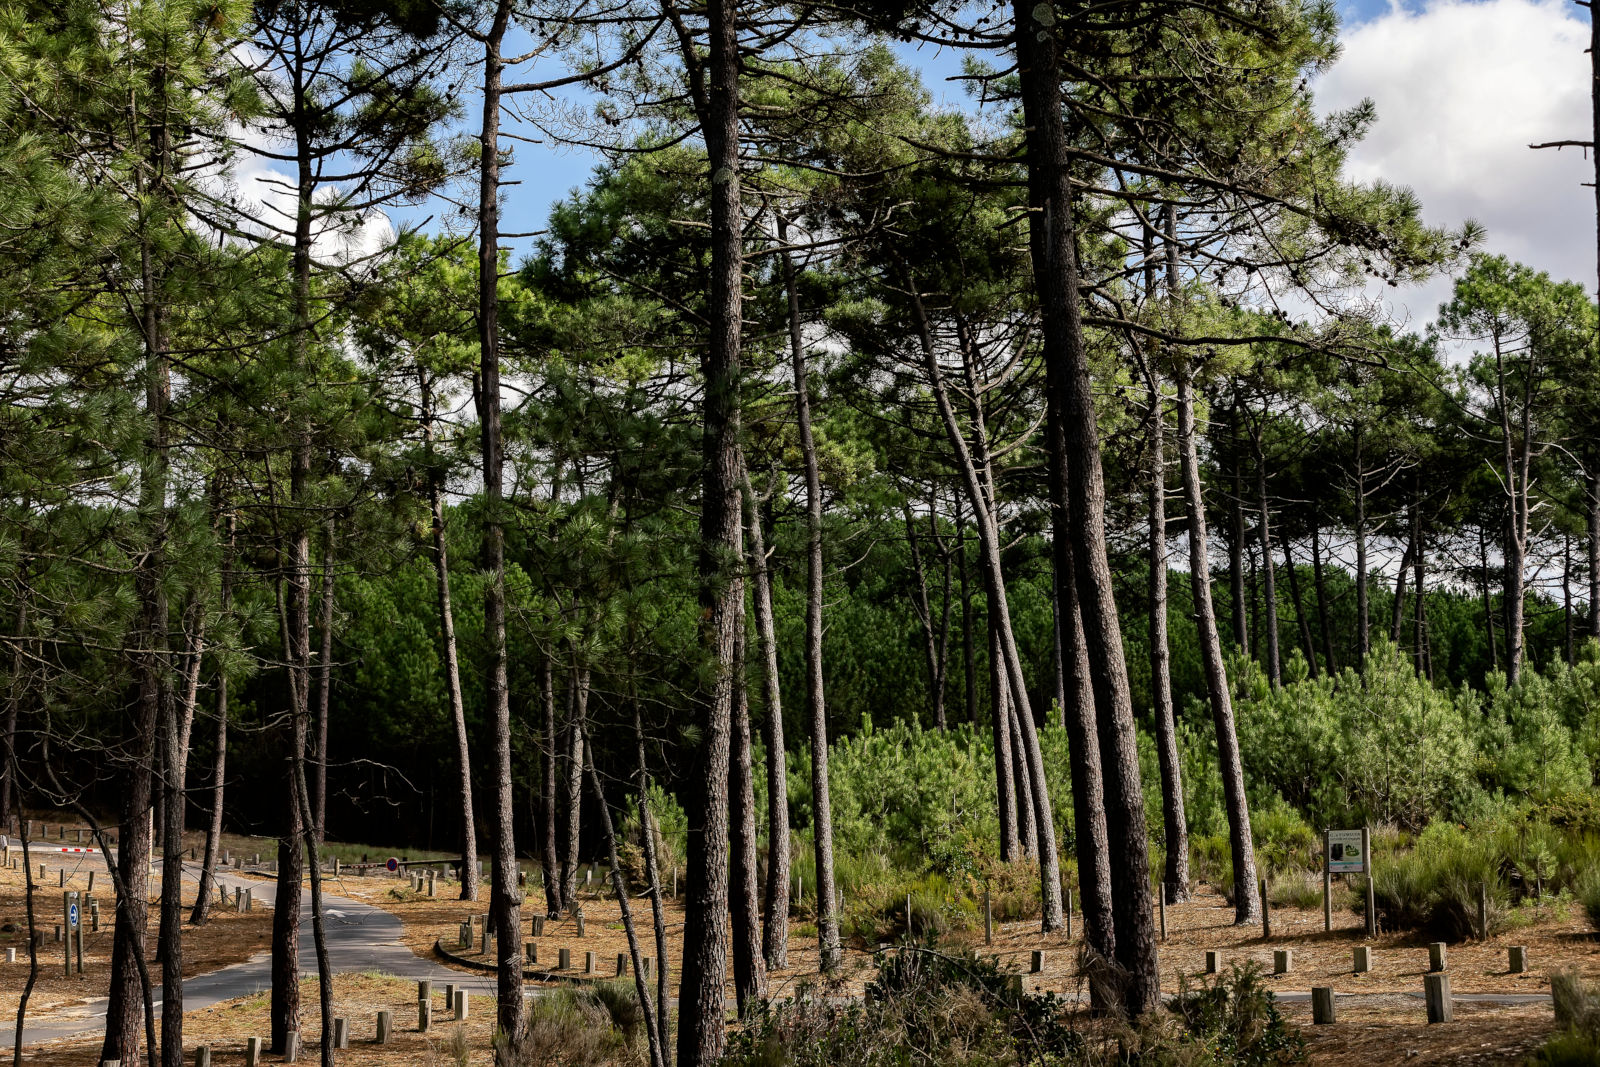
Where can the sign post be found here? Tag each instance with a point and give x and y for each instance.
(1344, 852)
(74, 932)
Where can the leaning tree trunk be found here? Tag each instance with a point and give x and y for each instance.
(1246, 905)
(702, 997)
(775, 926)
(1004, 764)
(1071, 408)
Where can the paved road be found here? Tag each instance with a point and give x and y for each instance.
(360, 938)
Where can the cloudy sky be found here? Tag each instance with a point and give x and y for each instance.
(1462, 87)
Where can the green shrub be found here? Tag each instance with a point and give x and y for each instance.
(1577, 1010)
(1434, 888)
(576, 1027)
(1295, 889)
(1587, 891)
(1235, 1017)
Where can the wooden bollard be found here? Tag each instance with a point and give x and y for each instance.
(588, 963)
(464, 935)
(90, 887)
(252, 1052)
(1322, 1005)
(249, 898)
(424, 1006)
(538, 926)
(1282, 960)
(579, 919)
(385, 1026)
(1518, 959)
(1372, 903)
(622, 964)
(1438, 958)
(530, 949)
(1266, 911)
(432, 875)
(62, 874)
(1213, 962)
(341, 1033)
(202, 1056)
(1363, 960)
(1436, 990)
(461, 1004)
(291, 1046)
(11, 955)
(1036, 962)
(564, 960)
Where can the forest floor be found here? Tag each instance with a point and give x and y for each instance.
(1381, 1014)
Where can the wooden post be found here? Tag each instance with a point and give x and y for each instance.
(988, 919)
(1322, 1005)
(1036, 963)
(1327, 886)
(461, 1004)
(424, 1006)
(530, 950)
(291, 1046)
(386, 1024)
(1213, 962)
(1363, 960)
(622, 965)
(1282, 960)
(252, 1052)
(1483, 911)
(202, 1056)
(1372, 890)
(341, 1033)
(1436, 990)
(538, 926)
(564, 959)
(579, 918)
(1438, 959)
(1266, 911)
(588, 963)
(1519, 959)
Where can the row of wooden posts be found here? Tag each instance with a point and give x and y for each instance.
(456, 1000)
(477, 933)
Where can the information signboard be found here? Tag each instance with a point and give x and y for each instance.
(1345, 854)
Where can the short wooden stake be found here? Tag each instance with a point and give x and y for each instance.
(579, 919)
(1372, 904)
(202, 1056)
(252, 1052)
(461, 1004)
(291, 1046)
(1438, 956)
(564, 960)
(530, 949)
(1036, 964)
(341, 1033)
(424, 1006)
(588, 963)
(1213, 962)
(1282, 960)
(1363, 960)
(386, 1025)
(1519, 959)
(1436, 990)
(622, 964)
(1322, 1005)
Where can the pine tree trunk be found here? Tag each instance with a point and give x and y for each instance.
(652, 870)
(452, 665)
(319, 772)
(924, 610)
(1593, 502)
(1004, 763)
(577, 713)
(702, 997)
(1301, 620)
(1242, 602)
(1483, 588)
(1175, 825)
(1071, 408)
(1246, 904)
(1274, 662)
(749, 967)
(969, 652)
(505, 897)
(219, 761)
(1324, 623)
(775, 927)
(15, 688)
(549, 862)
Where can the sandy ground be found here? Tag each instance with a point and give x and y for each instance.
(228, 937)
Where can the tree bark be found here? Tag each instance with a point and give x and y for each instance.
(1175, 825)
(932, 642)
(505, 897)
(1004, 763)
(652, 869)
(702, 998)
(1301, 620)
(319, 772)
(1246, 904)
(1071, 410)
(1274, 662)
(775, 927)
(452, 666)
(1363, 607)
(1593, 501)
(969, 653)
(1321, 588)
(749, 966)
(577, 714)
(1483, 586)
(555, 902)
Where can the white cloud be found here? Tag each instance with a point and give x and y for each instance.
(1462, 88)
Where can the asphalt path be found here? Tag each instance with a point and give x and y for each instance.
(360, 938)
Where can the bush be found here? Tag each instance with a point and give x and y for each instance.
(592, 1026)
(1577, 1005)
(1587, 891)
(1236, 1019)
(1434, 888)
